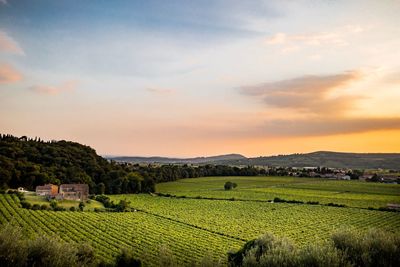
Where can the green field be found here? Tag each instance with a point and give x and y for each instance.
(350, 193)
(194, 228)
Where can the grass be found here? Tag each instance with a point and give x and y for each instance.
(90, 205)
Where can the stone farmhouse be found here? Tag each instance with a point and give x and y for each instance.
(47, 190)
(74, 191)
(65, 191)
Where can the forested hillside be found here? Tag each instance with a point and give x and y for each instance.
(30, 162)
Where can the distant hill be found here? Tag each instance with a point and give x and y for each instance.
(166, 160)
(314, 159)
(328, 159)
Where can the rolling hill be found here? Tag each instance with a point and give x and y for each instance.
(319, 158)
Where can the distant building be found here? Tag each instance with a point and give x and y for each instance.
(47, 190)
(74, 192)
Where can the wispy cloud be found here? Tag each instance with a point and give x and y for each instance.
(326, 126)
(9, 45)
(67, 86)
(311, 93)
(9, 74)
(3, 2)
(160, 91)
(293, 42)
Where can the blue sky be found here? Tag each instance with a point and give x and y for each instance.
(187, 78)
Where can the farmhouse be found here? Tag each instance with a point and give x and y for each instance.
(47, 190)
(74, 191)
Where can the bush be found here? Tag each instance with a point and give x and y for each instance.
(36, 207)
(126, 259)
(72, 209)
(17, 250)
(375, 248)
(81, 206)
(44, 207)
(347, 248)
(25, 205)
(228, 185)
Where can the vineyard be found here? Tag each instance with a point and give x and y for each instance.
(192, 227)
(248, 219)
(349, 193)
(107, 233)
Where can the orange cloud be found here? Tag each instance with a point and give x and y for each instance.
(306, 94)
(67, 86)
(8, 74)
(9, 45)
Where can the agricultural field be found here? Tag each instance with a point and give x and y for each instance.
(108, 232)
(193, 227)
(350, 193)
(249, 219)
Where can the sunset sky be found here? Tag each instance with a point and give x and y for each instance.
(200, 78)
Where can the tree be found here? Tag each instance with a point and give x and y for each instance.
(228, 185)
(81, 205)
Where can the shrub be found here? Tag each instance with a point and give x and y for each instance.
(228, 185)
(81, 206)
(72, 209)
(17, 250)
(36, 207)
(166, 258)
(126, 259)
(347, 248)
(25, 205)
(375, 248)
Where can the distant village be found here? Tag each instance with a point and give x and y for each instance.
(64, 192)
(381, 176)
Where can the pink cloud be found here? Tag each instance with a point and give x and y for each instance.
(9, 45)
(67, 86)
(8, 74)
(308, 93)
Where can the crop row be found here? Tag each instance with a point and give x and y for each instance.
(109, 232)
(247, 220)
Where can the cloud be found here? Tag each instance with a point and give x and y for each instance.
(309, 94)
(9, 45)
(293, 42)
(160, 91)
(326, 126)
(67, 86)
(392, 77)
(3, 2)
(8, 74)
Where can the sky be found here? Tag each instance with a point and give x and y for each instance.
(199, 78)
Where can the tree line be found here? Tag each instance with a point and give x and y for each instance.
(29, 162)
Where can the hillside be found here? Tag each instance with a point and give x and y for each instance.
(166, 160)
(328, 159)
(320, 158)
(30, 162)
